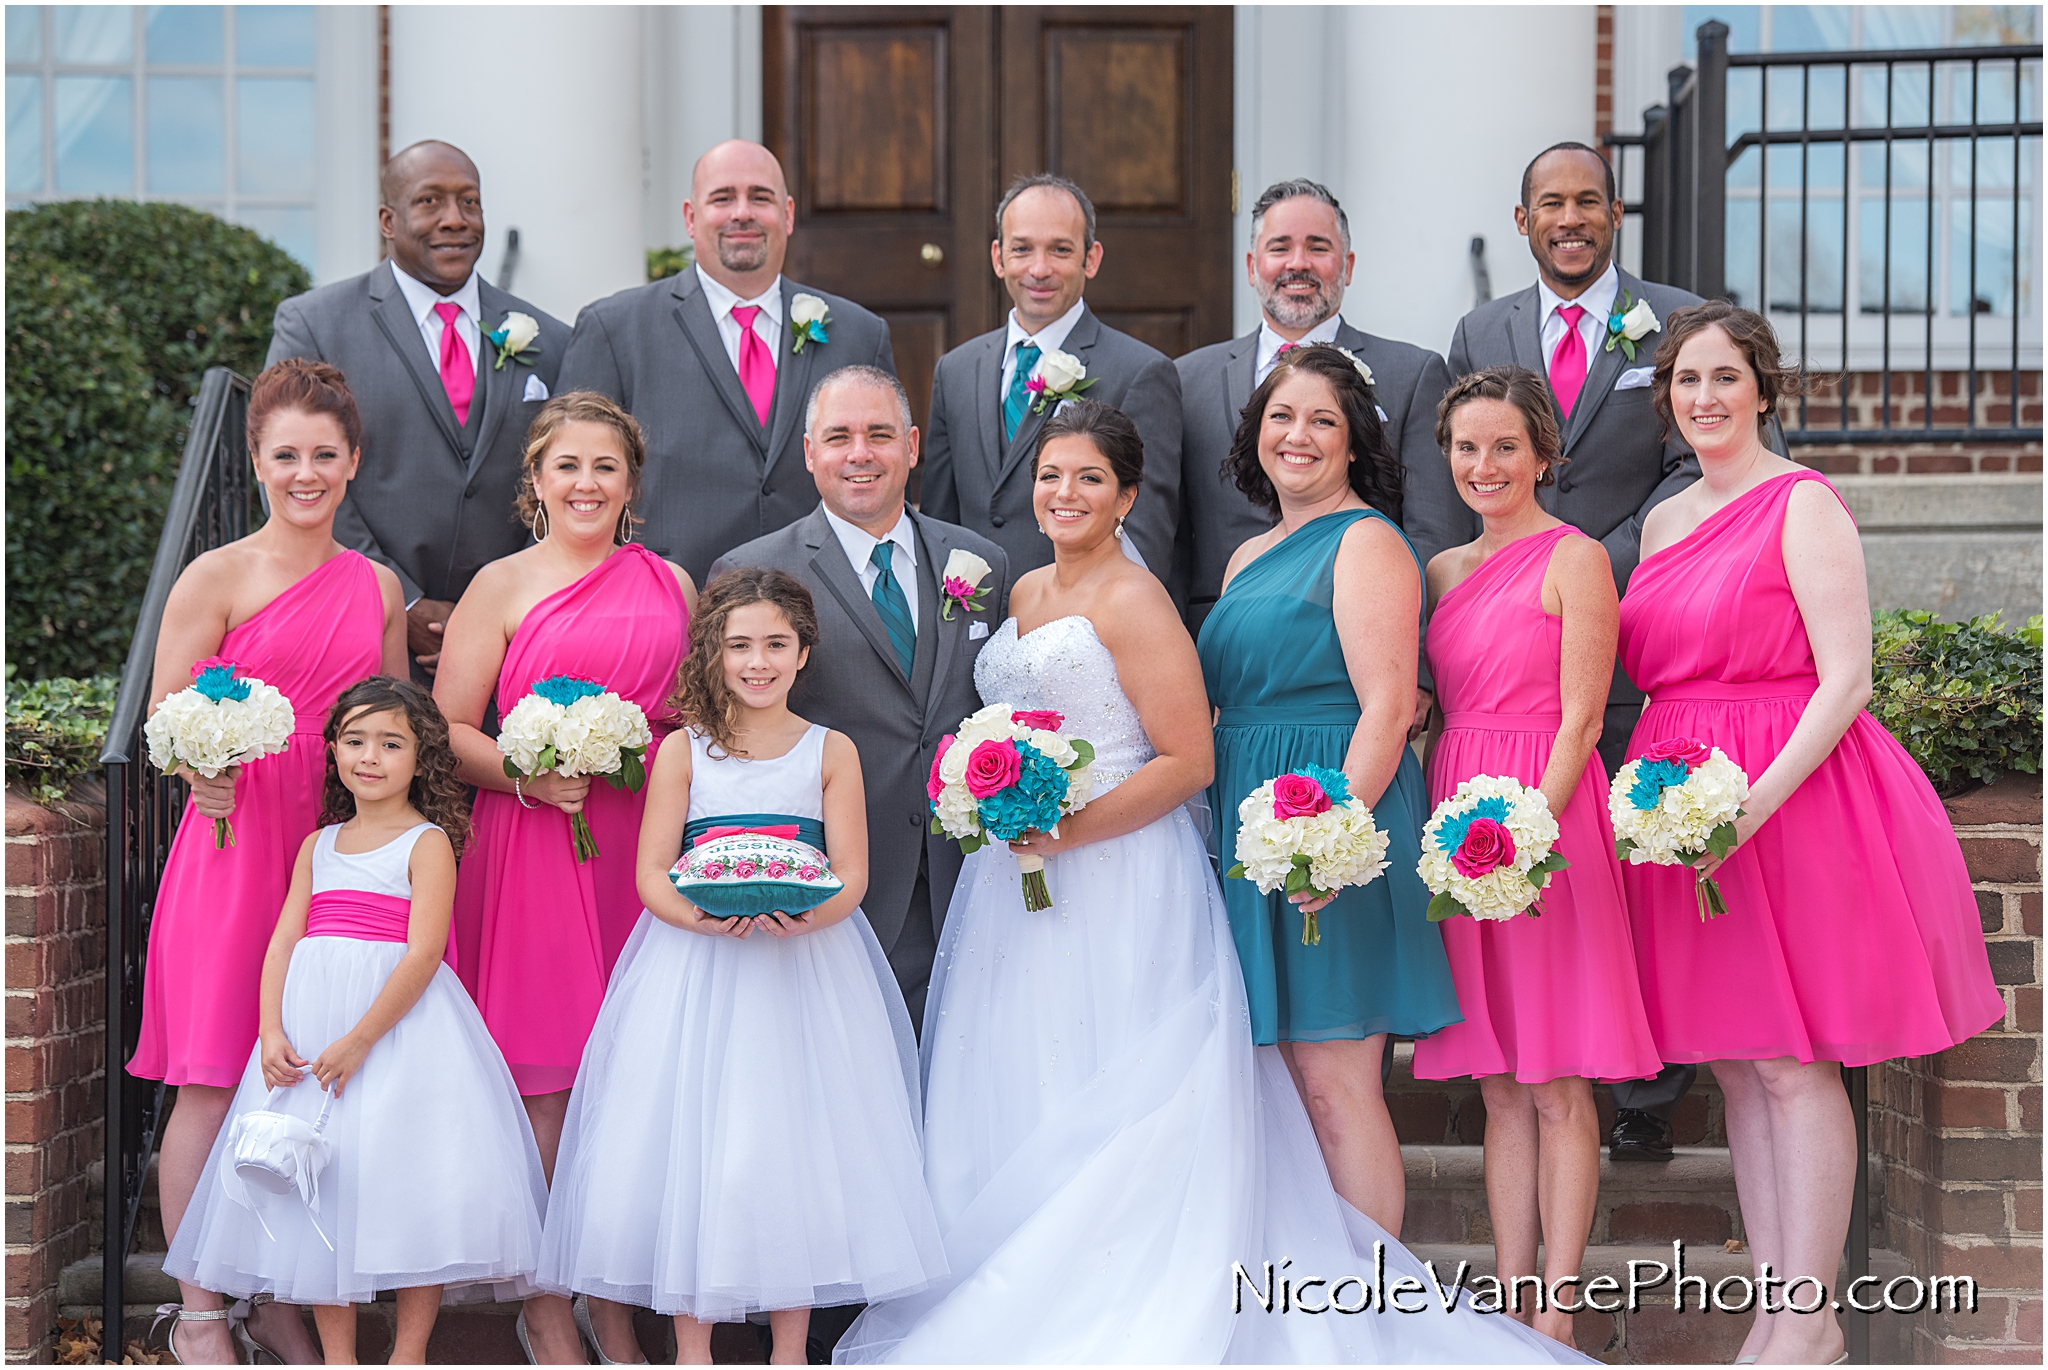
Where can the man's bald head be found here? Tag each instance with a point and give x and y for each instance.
(740, 216)
(408, 164)
(737, 164)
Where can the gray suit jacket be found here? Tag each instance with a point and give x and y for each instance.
(432, 500)
(855, 684)
(973, 477)
(714, 477)
(1215, 386)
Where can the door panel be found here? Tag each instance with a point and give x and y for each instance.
(864, 151)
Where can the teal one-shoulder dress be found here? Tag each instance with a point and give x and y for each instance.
(1275, 670)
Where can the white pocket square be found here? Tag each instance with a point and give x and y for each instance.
(1635, 378)
(976, 631)
(536, 389)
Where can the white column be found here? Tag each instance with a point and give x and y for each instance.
(346, 242)
(546, 100)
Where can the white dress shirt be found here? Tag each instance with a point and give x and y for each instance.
(421, 299)
(1598, 300)
(860, 548)
(1047, 339)
(767, 323)
(1270, 343)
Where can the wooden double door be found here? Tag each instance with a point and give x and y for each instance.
(899, 127)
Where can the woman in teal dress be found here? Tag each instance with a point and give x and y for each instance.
(1310, 656)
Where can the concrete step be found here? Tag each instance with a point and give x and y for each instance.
(149, 1221)
(1450, 1112)
(1690, 1197)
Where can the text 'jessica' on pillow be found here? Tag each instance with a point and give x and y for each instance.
(742, 874)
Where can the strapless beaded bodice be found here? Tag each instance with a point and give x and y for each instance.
(1063, 665)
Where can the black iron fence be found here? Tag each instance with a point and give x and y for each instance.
(1882, 208)
(211, 504)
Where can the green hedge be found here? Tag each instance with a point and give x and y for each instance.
(114, 311)
(55, 729)
(1963, 698)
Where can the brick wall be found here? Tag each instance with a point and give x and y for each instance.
(1863, 393)
(56, 997)
(1961, 1132)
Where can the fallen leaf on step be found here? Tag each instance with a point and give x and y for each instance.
(1732, 1246)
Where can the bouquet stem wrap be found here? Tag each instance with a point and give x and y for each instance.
(1036, 896)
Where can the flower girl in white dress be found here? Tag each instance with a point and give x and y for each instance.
(368, 1043)
(744, 1132)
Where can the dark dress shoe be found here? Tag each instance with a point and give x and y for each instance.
(1639, 1136)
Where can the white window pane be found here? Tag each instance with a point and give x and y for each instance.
(95, 33)
(290, 229)
(274, 135)
(1809, 28)
(1902, 26)
(1823, 256)
(186, 136)
(24, 133)
(96, 134)
(274, 35)
(185, 35)
(24, 33)
(1994, 283)
(1908, 257)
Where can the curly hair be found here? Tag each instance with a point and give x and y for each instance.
(700, 699)
(580, 406)
(1375, 466)
(304, 386)
(1753, 337)
(436, 793)
(1526, 391)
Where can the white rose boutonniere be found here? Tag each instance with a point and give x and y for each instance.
(515, 340)
(808, 316)
(961, 583)
(1629, 324)
(1058, 376)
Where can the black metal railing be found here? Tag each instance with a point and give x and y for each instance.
(211, 504)
(1829, 210)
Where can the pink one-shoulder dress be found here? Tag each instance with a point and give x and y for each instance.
(217, 907)
(536, 932)
(1851, 933)
(1555, 994)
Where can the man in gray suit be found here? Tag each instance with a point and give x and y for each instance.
(986, 414)
(1299, 264)
(894, 665)
(445, 405)
(718, 363)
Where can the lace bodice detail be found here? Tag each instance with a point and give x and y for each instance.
(1063, 665)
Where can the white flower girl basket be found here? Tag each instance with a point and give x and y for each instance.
(271, 1154)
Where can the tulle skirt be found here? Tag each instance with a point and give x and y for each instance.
(1104, 1143)
(743, 1133)
(432, 1176)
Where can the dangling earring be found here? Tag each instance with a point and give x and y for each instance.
(540, 524)
(1041, 531)
(1119, 527)
(625, 532)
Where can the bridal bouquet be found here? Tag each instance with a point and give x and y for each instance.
(1489, 850)
(1303, 832)
(1675, 805)
(573, 727)
(223, 718)
(1006, 772)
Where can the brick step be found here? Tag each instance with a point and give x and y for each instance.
(1691, 1197)
(1450, 1112)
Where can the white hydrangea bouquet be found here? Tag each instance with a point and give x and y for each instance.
(1005, 773)
(573, 727)
(1489, 850)
(1675, 805)
(1302, 832)
(223, 718)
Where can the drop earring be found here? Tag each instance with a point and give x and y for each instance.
(625, 533)
(540, 524)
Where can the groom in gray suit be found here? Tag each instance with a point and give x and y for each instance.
(894, 664)
(718, 363)
(445, 409)
(985, 416)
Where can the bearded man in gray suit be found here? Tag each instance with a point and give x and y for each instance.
(1299, 264)
(894, 664)
(718, 364)
(986, 412)
(447, 379)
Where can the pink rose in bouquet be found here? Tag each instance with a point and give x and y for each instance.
(936, 786)
(1050, 720)
(1298, 796)
(1685, 750)
(992, 767)
(1488, 845)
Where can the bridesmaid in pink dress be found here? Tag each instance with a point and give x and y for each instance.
(1851, 934)
(536, 932)
(1521, 643)
(299, 611)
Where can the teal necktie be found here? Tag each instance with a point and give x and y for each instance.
(1019, 399)
(893, 607)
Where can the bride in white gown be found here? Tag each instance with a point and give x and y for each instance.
(1102, 1141)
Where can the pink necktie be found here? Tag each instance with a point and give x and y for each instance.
(757, 363)
(1568, 362)
(458, 372)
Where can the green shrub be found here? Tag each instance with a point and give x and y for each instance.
(55, 729)
(1963, 698)
(663, 262)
